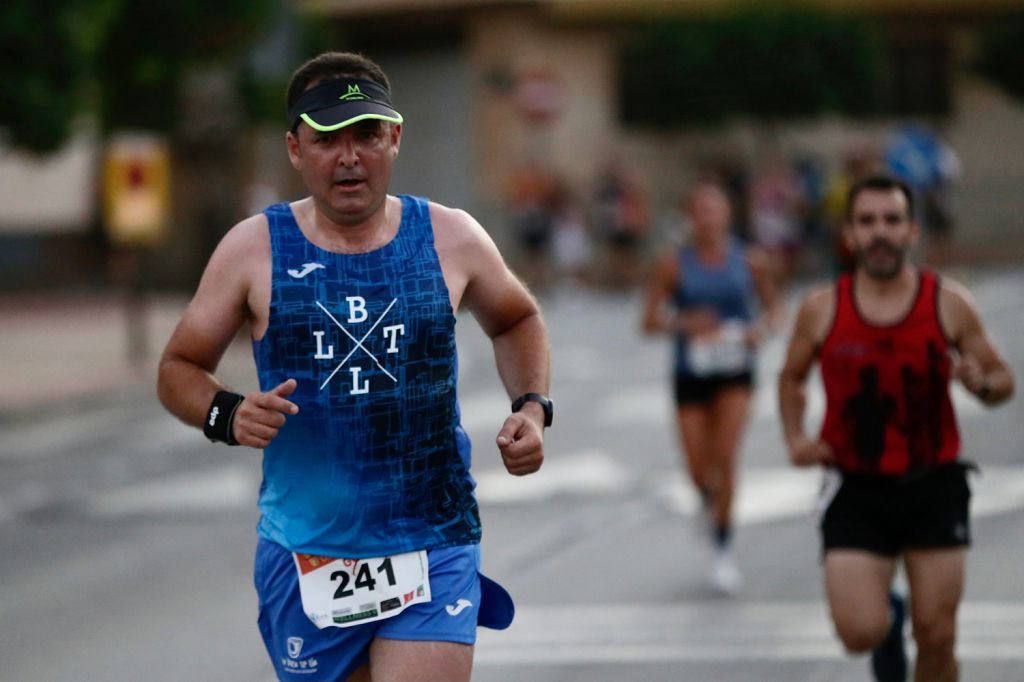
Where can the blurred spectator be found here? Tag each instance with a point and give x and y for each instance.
(813, 231)
(571, 247)
(774, 203)
(858, 162)
(530, 192)
(916, 155)
(621, 218)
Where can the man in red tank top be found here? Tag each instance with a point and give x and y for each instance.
(889, 337)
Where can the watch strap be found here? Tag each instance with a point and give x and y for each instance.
(543, 401)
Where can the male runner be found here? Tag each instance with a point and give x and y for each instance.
(889, 337)
(368, 554)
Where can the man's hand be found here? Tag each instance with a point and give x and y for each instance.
(521, 441)
(804, 452)
(968, 371)
(261, 415)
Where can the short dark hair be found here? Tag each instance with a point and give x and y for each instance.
(332, 65)
(880, 182)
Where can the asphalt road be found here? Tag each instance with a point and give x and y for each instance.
(126, 541)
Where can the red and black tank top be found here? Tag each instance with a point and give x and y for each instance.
(887, 387)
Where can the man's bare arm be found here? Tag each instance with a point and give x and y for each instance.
(814, 312)
(223, 302)
(510, 316)
(980, 367)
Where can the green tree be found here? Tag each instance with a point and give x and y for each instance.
(150, 46)
(1001, 55)
(44, 57)
(767, 65)
(122, 60)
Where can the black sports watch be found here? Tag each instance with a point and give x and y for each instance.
(544, 401)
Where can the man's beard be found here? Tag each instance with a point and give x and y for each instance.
(889, 267)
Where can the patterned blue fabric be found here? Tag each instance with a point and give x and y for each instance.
(375, 462)
(726, 289)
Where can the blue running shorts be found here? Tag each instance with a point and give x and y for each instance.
(461, 599)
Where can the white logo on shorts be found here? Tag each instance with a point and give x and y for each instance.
(458, 607)
(294, 646)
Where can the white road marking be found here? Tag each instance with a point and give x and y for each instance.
(773, 493)
(589, 472)
(230, 487)
(484, 413)
(592, 634)
(765, 494)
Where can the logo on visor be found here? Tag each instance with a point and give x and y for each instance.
(353, 93)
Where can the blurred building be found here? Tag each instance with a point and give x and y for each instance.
(487, 86)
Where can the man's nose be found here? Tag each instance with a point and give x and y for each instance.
(347, 153)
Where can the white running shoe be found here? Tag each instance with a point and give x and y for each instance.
(725, 576)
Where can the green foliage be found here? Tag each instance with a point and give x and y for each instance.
(769, 65)
(1001, 54)
(42, 67)
(263, 94)
(123, 59)
(150, 45)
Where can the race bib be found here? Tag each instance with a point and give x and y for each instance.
(725, 353)
(344, 592)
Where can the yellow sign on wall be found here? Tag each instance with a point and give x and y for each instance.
(136, 188)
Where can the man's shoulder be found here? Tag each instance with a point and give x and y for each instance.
(817, 311)
(954, 291)
(448, 215)
(246, 240)
(820, 298)
(255, 226)
(454, 227)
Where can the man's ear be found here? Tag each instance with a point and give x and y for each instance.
(915, 232)
(396, 136)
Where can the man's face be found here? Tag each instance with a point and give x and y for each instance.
(880, 232)
(348, 170)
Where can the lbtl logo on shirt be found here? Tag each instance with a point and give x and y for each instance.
(358, 314)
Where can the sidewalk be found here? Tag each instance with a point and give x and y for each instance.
(58, 351)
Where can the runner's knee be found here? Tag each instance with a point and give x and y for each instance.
(860, 638)
(935, 636)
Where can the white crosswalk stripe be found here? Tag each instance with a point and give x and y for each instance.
(715, 631)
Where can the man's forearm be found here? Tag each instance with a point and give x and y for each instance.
(523, 356)
(186, 390)
(792, 406)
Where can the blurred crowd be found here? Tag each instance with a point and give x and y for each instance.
(602, 235)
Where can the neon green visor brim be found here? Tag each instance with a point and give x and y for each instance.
(397, 118)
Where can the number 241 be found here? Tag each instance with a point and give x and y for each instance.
(364, 578)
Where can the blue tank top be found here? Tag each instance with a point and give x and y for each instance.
(727, 289)
(376, 461)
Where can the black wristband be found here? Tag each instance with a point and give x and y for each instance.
(220, 418)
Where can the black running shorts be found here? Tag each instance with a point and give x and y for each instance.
(694, 390)
(887, 515)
